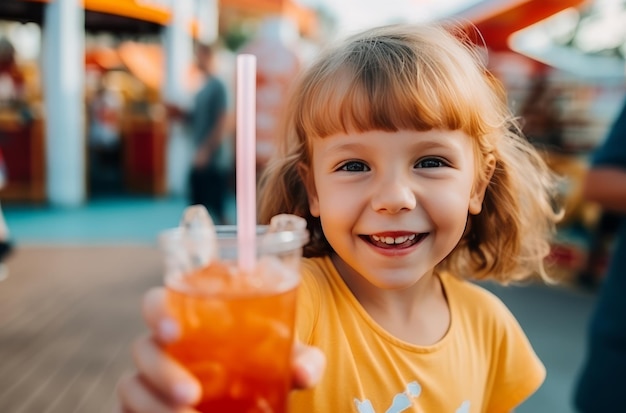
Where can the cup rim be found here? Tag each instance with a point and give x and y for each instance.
(266, 242)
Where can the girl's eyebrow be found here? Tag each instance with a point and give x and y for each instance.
(347, 146)
(437, 144)
(423, 143)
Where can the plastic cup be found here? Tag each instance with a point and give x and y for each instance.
(236, 328)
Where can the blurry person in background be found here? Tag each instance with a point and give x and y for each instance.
(602, 381)
(11, 77)
(105, 111)
(206, 120)
(12, 100)
(5, 244)
(12, 83)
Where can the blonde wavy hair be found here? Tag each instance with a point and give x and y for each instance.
(407, 77)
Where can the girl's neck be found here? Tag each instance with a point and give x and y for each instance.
(419, 314)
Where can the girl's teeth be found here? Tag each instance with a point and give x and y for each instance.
(392, 240)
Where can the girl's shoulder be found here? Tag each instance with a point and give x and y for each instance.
(316, 272)
(471, 289)
(473, 301)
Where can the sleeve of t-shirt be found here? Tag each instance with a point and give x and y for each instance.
(517, 372)
(613, 151)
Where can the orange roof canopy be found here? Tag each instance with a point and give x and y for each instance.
(161, 15)
(127, 8)
(306, 18)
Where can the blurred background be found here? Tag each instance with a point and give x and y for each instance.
(95, 168)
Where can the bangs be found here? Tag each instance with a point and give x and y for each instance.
(385, 84)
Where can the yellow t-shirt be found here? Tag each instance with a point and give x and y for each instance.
(483, 364)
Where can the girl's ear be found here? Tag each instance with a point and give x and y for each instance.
(478, 192)
(306, 175)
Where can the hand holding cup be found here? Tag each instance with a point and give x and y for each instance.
(161, 384)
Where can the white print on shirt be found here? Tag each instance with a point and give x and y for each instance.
(402, 401)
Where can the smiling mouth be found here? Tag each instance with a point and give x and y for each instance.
(395, 242)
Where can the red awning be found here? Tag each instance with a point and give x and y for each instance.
(496, 20)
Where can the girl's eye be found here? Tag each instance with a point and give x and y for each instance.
(430, 163)
(354, 166)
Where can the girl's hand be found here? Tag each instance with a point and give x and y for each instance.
(161, 385)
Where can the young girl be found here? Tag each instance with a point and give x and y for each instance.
(404, 159)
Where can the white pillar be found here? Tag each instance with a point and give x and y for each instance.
(63, 74)
(178, 58)
(207, 12)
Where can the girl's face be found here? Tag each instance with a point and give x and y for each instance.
(393, 204)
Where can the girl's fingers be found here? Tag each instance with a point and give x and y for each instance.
(155, 312)
(136, 397)
(163, 374)
(308, 366)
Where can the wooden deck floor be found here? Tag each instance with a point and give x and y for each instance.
(67, 317)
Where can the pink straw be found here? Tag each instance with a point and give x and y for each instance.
(246, 161)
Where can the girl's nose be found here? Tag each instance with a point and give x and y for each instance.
(393, 196)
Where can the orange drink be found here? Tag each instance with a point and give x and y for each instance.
(237, 329)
